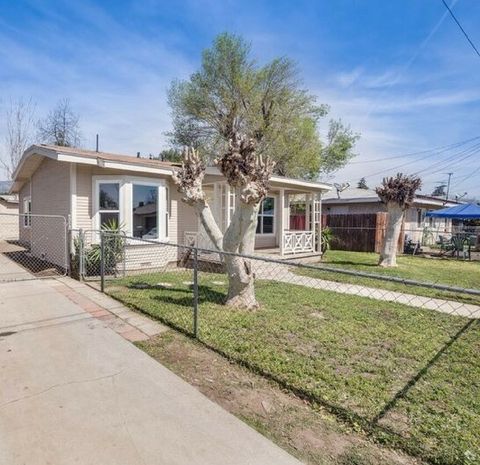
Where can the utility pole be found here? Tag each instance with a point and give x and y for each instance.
(448, 186)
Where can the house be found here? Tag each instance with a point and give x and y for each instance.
(91, 188)
(353, 200)
(8, 217)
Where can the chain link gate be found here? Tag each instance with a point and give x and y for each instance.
(33, 246)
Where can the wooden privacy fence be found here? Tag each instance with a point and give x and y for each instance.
(361, 232)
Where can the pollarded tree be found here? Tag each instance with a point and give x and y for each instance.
(397, 193)
(248, 174)
(249, 120)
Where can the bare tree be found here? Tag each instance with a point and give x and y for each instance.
(19, 117)
(397, 193)
(61, 126)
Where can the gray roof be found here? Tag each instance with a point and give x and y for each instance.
(5, 187)
(351, 193)
(13, 198)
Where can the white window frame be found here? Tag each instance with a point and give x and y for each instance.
(274, 216)
(27, 212)
(126, 202)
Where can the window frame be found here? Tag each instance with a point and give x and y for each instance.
(126, 202)
(261, 215)
(148, 184)
(27, 212)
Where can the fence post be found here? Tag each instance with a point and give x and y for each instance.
(195, 292)
(81, 257)
(102, 262)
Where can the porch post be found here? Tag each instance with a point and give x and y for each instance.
(312, 218)
(281, 218)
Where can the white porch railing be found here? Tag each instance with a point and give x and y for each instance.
(298, 241)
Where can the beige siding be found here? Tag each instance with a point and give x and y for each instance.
(49, 189)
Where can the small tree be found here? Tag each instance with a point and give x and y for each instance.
(61, 126)
(19, 117)
(397, 193)
(362, 184)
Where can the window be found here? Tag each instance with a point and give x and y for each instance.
(266, 216)
(145, 211)
(420, 216)
(27, 210)
(140, 206)
(109, 204)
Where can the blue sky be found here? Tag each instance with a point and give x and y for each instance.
(399, 72)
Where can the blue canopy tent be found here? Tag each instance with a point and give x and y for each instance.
(460, 242)
(468, 211)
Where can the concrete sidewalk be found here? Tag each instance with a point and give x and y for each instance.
(74, 391)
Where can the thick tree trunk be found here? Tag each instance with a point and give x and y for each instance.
(207, 219)
(388, 254)
(240, 238)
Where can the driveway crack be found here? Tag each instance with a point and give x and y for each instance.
(55, 386)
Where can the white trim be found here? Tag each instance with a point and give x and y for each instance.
(73, 196)
(321, 186)
(117, 165)
(76, 159)
(125, 210)
(274, 223)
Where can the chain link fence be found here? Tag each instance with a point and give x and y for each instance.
(33, 246)
(354, 341)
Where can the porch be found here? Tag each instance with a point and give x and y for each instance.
(288, 225)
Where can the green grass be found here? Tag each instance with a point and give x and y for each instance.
(448, 272)
(351, 353)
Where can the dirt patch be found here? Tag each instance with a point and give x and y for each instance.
(305, 430)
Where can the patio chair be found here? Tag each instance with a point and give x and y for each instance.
(461, 244)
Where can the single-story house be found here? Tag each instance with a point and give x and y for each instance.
(91, 188)
(8, 216)
(353, 200)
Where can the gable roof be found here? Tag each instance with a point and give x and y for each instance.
(34, 155)
(356, 195)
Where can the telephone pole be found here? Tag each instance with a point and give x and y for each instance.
(448, 186)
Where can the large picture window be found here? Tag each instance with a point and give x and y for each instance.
(139, 206)
(266, 216)
(109, 204)
(145, 211)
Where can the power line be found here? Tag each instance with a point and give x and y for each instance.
(461, 28)
(452, 158)
(451, 161)
(441, 149)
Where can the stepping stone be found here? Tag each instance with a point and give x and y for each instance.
(188, 283)
(163, 285)
(218, 283)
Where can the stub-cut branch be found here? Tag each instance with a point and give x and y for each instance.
(245, 170)
(189, 178)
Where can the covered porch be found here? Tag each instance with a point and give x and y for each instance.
(289, 218)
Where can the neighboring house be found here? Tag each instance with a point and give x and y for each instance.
(353, 200)
(92, 188)
(8, 216)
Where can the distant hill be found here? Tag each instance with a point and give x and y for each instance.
(5, 186)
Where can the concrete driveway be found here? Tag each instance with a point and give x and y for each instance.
(74, 391)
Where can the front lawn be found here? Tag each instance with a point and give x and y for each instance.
(448, 272)
(350, 353)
